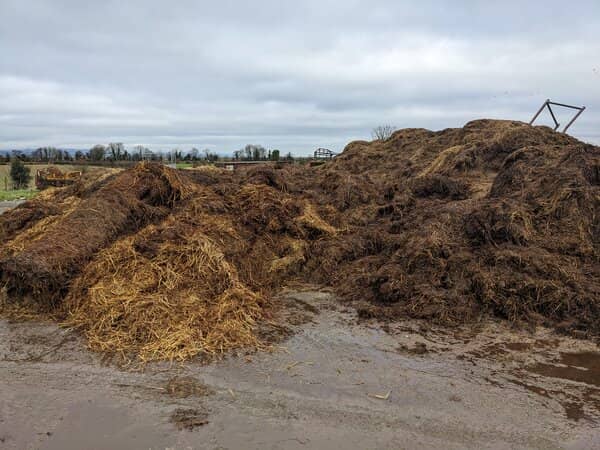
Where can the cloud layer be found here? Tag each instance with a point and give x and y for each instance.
(294, 76)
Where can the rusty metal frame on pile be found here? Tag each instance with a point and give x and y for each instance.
(548, 104)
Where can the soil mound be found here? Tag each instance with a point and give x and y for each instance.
(493, 219)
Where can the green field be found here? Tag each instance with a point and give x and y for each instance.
(6, 193)
(17, 194)
(5, 174)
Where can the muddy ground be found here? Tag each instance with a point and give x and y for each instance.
(333, 382)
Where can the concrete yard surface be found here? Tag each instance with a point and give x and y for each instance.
(333, 383)
(6, 205)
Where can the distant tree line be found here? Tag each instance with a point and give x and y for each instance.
(116, 151)
(253, 152)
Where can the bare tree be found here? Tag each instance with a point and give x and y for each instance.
(138, 152)
(382, 132)
(252, 152)
(116, 150)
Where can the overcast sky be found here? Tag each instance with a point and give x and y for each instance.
(289, 75)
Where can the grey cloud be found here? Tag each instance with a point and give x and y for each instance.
(290, 75)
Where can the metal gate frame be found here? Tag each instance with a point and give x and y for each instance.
(547, 103)
(323, 153)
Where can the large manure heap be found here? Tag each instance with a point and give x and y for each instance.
(495, 219)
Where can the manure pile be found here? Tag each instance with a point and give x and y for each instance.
(158, 263)
(493, 219)
(496, 218)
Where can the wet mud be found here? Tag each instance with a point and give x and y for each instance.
(330, 381)
(188, 419)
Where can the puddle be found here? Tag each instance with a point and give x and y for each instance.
(532, 388)
(189, 419)
(588, 360)
(489, 351)
(583, 367)
(574, 403)
(574, 411)
(517, 346)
